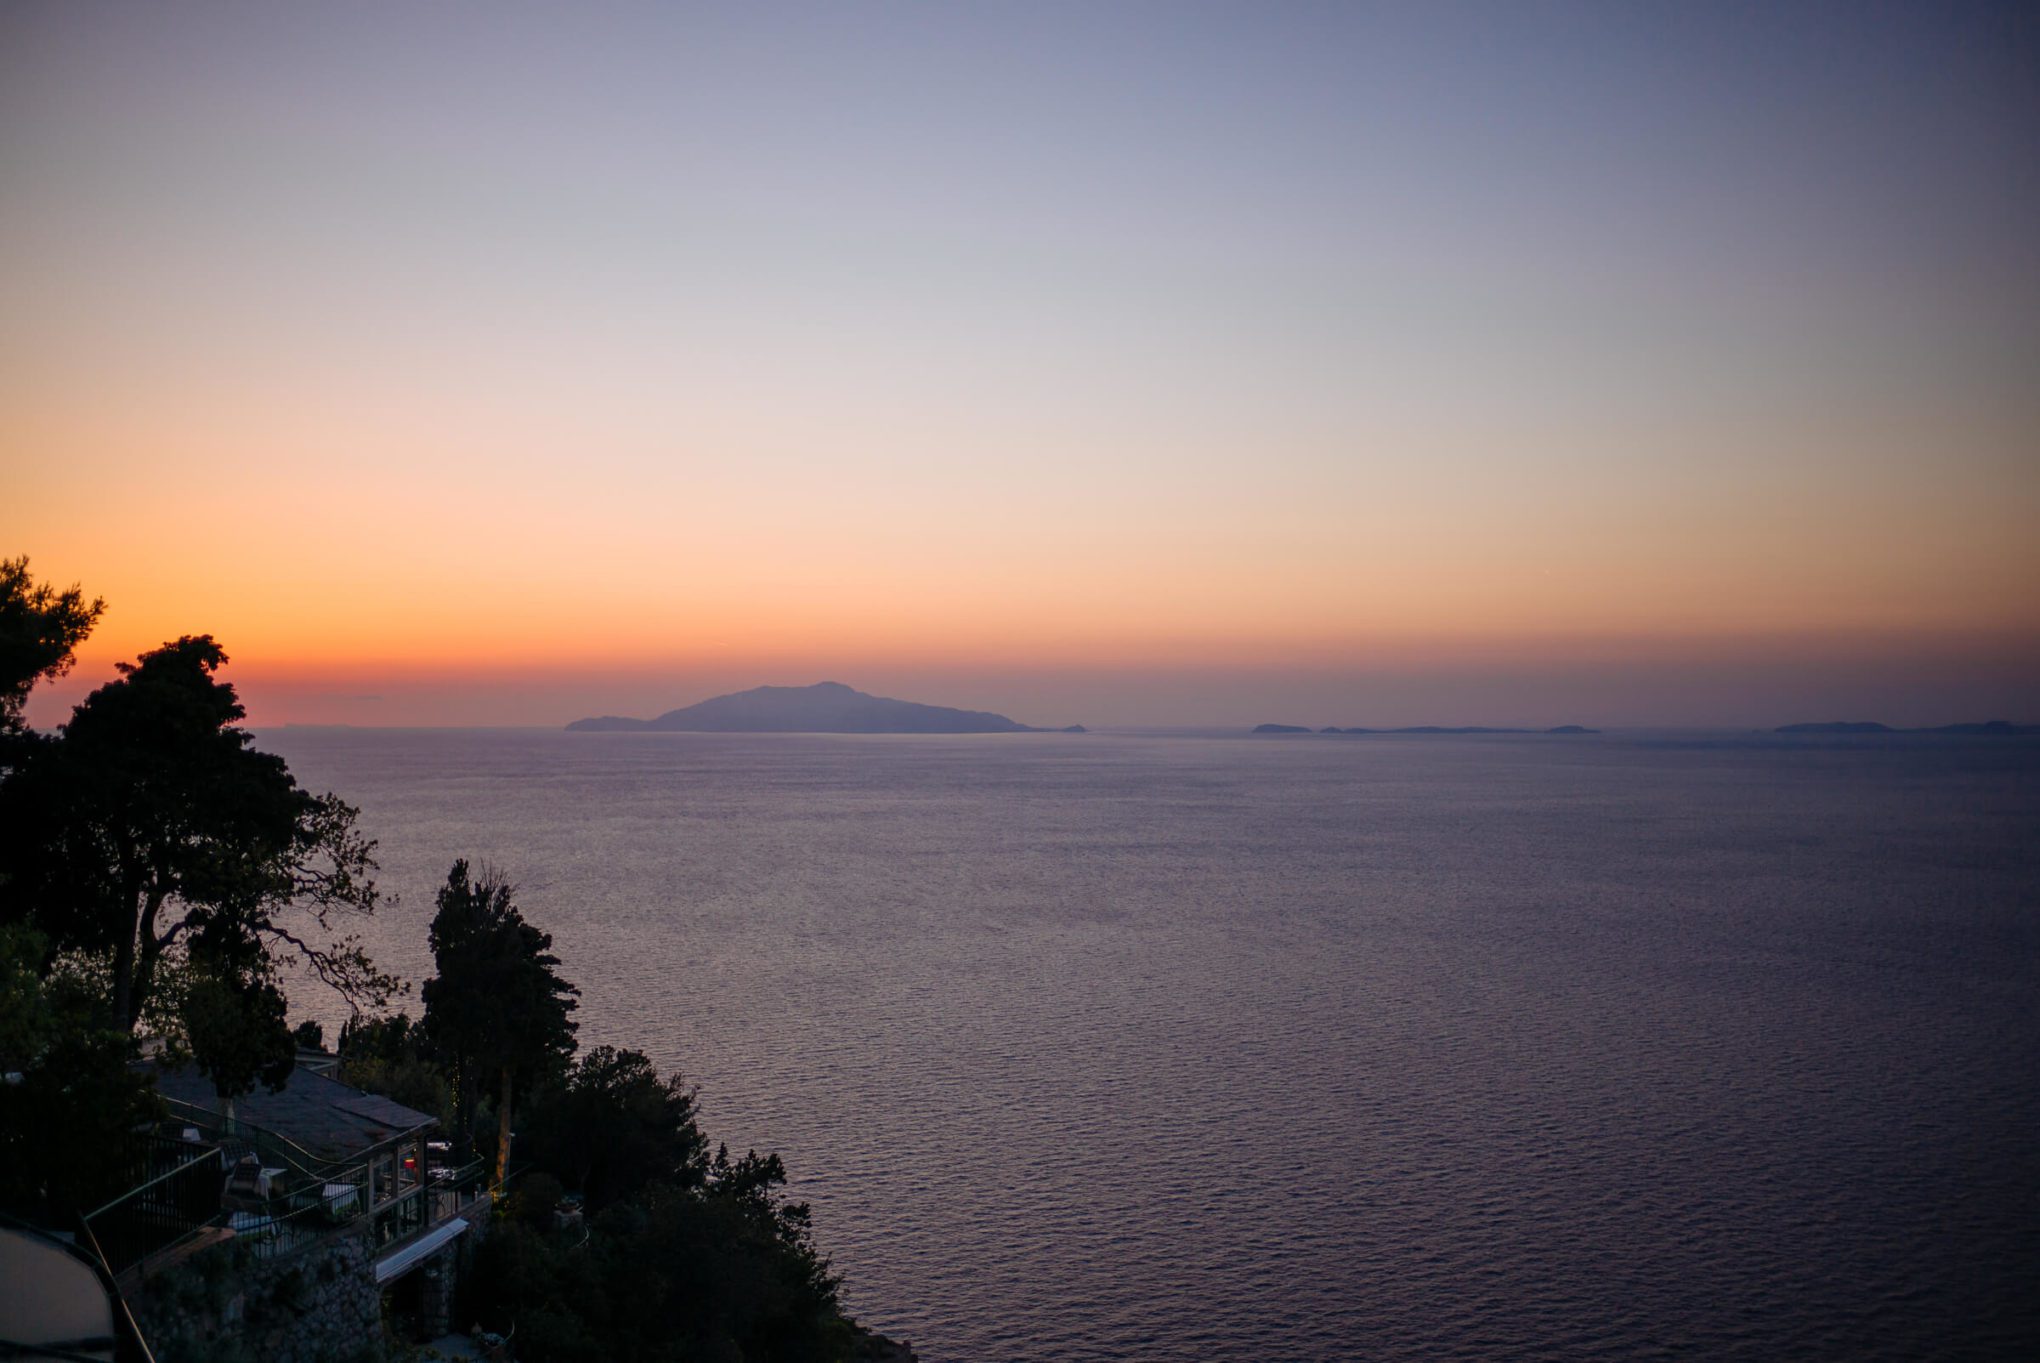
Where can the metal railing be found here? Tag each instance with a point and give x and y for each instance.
(160, 1214)
(275, 1150)
(147, 1223)
(129, 1346)
(285, 1225)
(446, 1193)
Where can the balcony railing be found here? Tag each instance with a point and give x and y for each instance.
(447, 1192)
(160, 1214)
(276, 1151)
(307, 1198)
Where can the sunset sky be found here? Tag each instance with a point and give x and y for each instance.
(1110, 363)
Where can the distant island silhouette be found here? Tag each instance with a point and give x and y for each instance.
(824, 708)
(1994, 728)
(1418, 729)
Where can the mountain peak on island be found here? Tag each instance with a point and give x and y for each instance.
(827, 707)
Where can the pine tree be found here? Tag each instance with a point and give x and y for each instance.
(497, 1009)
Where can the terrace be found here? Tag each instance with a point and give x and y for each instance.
(287, 1170)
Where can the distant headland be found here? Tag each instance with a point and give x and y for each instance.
(824, 708)
(1993, 728)
(1418, 729)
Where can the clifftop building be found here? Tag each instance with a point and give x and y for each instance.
(320, 1209)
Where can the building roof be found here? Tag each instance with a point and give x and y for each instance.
(332, 1120)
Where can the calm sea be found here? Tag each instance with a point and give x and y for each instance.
(1117, 1047)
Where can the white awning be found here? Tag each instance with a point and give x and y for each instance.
(409, 1255)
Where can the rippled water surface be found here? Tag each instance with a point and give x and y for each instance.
(1128, 1047)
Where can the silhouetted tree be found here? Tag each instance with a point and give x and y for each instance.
(614, 1128)
(72, 1096)
(497, 1007)
(726, 1271)
(151, 824)
(234, 1023)
(66, 1123)
(372, 1038)
(40, 627)
(391, 1056)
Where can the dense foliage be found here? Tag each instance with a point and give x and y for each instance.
(390, 1056)
(152, 840)
(64, 1142)
(497, 1008)
(714, 1265)
(615, 1128)
(41, 627)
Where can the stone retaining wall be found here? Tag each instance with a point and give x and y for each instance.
(318, 1305)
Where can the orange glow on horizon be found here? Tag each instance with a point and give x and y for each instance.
(477, 379)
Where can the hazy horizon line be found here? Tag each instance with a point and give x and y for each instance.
(1436, 729)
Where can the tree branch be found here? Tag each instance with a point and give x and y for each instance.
(342, 967)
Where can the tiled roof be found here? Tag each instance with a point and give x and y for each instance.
(329, 1119)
